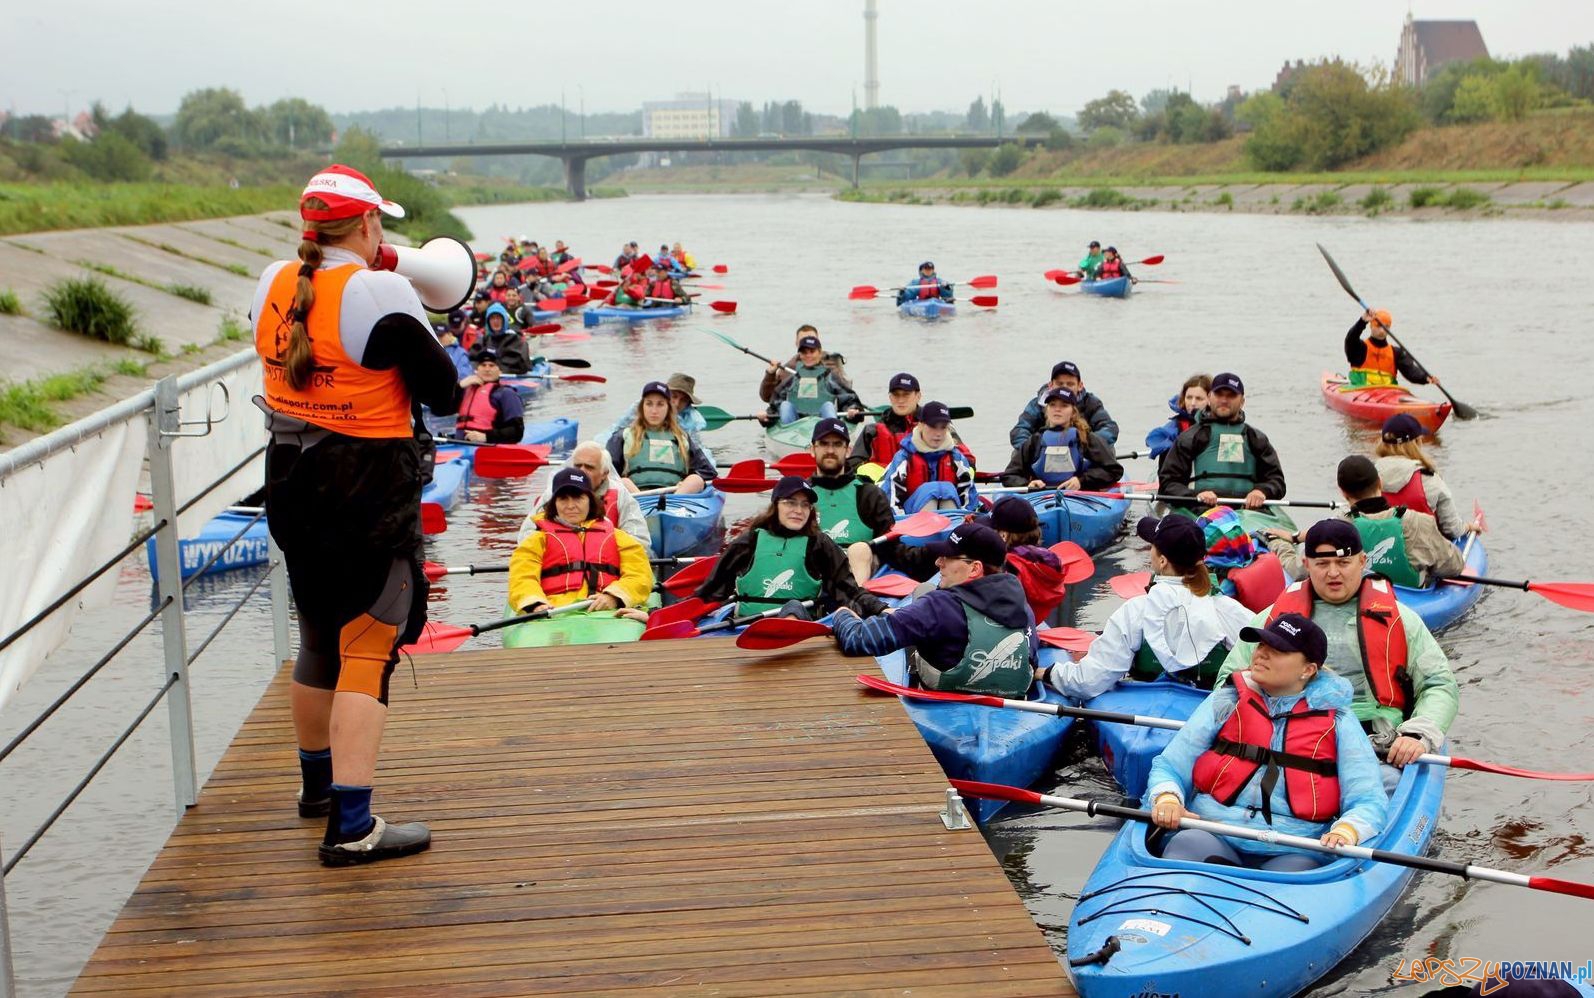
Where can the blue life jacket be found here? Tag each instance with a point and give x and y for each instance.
(1059, 458)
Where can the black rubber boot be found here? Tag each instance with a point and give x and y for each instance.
(383, 841)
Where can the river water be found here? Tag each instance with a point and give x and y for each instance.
(1498, 308)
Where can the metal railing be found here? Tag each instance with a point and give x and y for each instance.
(160, 407)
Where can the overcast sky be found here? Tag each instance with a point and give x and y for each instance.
(934, 54)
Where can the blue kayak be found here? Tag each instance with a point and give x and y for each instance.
(448, 482)
(988, 744)
(533, 382)
(559, 434)
(1198, 929)
(1441, 605)
(618, 313)
(685, 525)
(193, 552)
(1117, 287)
(927, 308)
(1089, 521)
(1127, 749)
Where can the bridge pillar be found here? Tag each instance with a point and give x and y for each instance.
(576, 177)
(857, 158)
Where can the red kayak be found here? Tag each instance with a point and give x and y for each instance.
(1378, 404)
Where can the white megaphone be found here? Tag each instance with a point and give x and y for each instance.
(442, 270)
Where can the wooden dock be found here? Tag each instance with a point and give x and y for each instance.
(676, 818)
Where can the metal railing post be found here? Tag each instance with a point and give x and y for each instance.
(163, 420)
(8, 977)
(281, 644)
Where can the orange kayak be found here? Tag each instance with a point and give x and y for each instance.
(1378, 404)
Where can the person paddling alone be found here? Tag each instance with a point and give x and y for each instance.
(1375, 360)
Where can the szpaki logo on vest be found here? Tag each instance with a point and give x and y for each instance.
(1381, 551)
(1006, 655)
(781, 583)
(839, 530)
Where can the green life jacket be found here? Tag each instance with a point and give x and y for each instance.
(659, 463)
(778, 571)
(1147, 667)
(1227, 465)
(838, 511)
(810, 389)
(1384, 540)
(996, 660)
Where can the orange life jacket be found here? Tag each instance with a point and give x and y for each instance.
(342, 396)
(574, 557)
(1378, 367)
(1309, 756)
(1382, 637)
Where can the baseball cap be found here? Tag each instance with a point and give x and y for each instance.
(926, 264)
(1356, 474)
(1332, 538)
(1230, 381)
(570, 480)
(347, 193)
(1179, 538)
(903, 382)
(656, 388)
(1094, 245)
(1013, 514)
(790, 486)
(485, 354)
(1402, 426)
(830, 427)
(1060, 395)
(971, 540)
(935, 414)
(1066, 367)
(809, 343)
(1291, 632)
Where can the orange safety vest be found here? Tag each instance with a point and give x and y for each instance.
(1378, 367)
(1381, 632)
(342, 396)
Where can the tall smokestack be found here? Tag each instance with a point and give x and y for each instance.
(871, 62)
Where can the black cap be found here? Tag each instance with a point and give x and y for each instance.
(482, 296)
(1110, 249)
(1060, 395)
(1356, 474)
(809, 343)
(1014, 514)
(1094, 245)
(1291, 632)
(935, 414)
(926, 265)
(456, 318)
(790, 486)
(1401, 427)
(971, 540)
(1179, 538)
(1332, 538)
(656, 388)
(484, 354)
(903, 382)
(570, 480)
(1066, 367)
(1230, 381)
(828, 427)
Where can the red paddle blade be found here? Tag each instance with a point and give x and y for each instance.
(921, 524)
(687, 610)
(641, 263)
(750, 468)
(1077, 563)
(891, 585)
(1123, 586)
(576, 301)
(432, 519)
(995, 791)
(983, 281)
(779, 632)
(707, 287)
(574, 334)
(720, 268)
(863, 291)
(543, 329)
(1070, 639)
(1152, 261)
(507, 462)
(606, 285)
(886, 686)
(526, 263)
(1066, 279)
(568, 266)
(689, 578)
(727, 307)
(744, 486)
(594, 378)
(801, 464)
(551, 305)
(1477, 514)
(670, 632)
(1052, 275)
(984, 301)
(1457, 762)
(1572, 595)
(434, 571)
(436, 638)
(1571, 887)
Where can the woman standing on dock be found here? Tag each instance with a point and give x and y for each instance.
(347, 353)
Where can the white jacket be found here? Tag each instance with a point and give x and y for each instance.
(1180, 627)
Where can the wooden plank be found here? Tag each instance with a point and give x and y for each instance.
(741, 824)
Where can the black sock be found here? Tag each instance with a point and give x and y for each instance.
(315, 768)
(350, 819)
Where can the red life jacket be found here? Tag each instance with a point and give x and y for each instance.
(1110, 269)
(886, 441)
(662, 289)
(1043, 585)
(1382, 636)
(611, 506)
(930, 290)
(1309, 756)
(574, 557)
(476, 410)
(1411, 495)
(939, 468)
(637, 289)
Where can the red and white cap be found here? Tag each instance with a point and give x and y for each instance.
(347, 193)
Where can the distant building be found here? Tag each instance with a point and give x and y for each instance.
(1287, 73)
(1425, 46)
(688, 116)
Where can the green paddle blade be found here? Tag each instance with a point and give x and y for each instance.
(714, 416)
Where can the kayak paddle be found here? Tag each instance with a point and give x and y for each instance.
(800, 464)
(863, 291)
(1077, 563)
(984, 301)
(432, 519)
(1220, 501)
(435, 572)
(1572, 595)
(720, 268)
(891, 585)
(1462, 409)
(542, 329)
(957, 411)
(686, 610)
(593, 378)
(714, 417)
(507, 461)
(687, 629)
(446, 637)
(574, 362)
(1070, 639)
(779, 632)
(921, 524)
(732, 343)
(689, 578)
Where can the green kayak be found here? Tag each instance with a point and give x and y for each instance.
(574, 629)
(789, 438)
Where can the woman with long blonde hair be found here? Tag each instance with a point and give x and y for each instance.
(1410, 479)
(655, 452)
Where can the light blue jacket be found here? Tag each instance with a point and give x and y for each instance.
(1363, 804)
